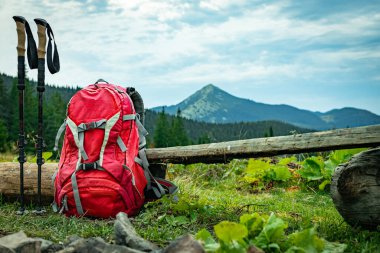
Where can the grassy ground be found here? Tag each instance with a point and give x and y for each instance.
(208, 195)
(8, 157)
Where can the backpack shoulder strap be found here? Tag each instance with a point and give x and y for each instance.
(138, 103)
(156, 187)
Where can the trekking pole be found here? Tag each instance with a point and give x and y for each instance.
(43, 28)
(23, 29)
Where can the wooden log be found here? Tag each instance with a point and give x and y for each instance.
(222, 152)
(10, 181)
(355, 189)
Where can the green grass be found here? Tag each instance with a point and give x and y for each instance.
(7, 157)
(208, 195)
(30, 157)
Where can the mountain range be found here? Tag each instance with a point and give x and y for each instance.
(214, 105)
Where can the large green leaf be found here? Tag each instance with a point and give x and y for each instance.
(281, 173)
(228, 232)
(254, 223)
(273, 232)
(329, 169)
(312, 168)
(306, 240)
(341, 156)
(287, 160)
(257, 168)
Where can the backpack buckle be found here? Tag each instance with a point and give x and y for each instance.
(89, 166)
(90, 125)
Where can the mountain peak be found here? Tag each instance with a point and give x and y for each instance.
(212, 91)
(210, 88)
(212, 104)
(207, 93)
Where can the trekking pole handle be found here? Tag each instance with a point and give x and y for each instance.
(41, 52)
(41, 31)
(20, 28)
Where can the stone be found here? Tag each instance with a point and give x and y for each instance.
(4, 249)
(48, 246)
(125, 234)
(20, 243)
(95, 245)
(71, 239)
(184, 244)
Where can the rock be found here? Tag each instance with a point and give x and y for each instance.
(184, 244)
(71, 239)
(48, 246)
(125, 234)
(20, 243)
(4, 249)
(95, 245)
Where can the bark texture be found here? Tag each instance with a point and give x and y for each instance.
(355, 189)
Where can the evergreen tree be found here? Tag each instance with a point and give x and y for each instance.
(178, 133)
(4, 116)
(30, 115)
(161, 133)
(3, 136)
(53, 118)
(3, 101)
(204, 139)
(269, 133)
(13, 121)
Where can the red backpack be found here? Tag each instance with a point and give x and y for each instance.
(103, 169)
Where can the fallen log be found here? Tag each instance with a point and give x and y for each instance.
(10, 181)
(355, 189)
(368, 136)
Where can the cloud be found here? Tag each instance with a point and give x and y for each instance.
(176, 44)
(217, 5)
(160, 10)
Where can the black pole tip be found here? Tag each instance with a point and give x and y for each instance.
(19, 19)
(40, 21)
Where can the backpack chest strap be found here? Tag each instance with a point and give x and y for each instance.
(78, 133)
(101, 124)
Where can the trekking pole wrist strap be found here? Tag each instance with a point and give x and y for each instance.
(22, 28)
(51, 59)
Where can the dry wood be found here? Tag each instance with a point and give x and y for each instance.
(355, 189)
(10, 181)
(368, 136)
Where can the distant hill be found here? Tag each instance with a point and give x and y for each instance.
(212, 104)
(349, 117)
(204, 132)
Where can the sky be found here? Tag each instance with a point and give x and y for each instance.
(314, 55)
